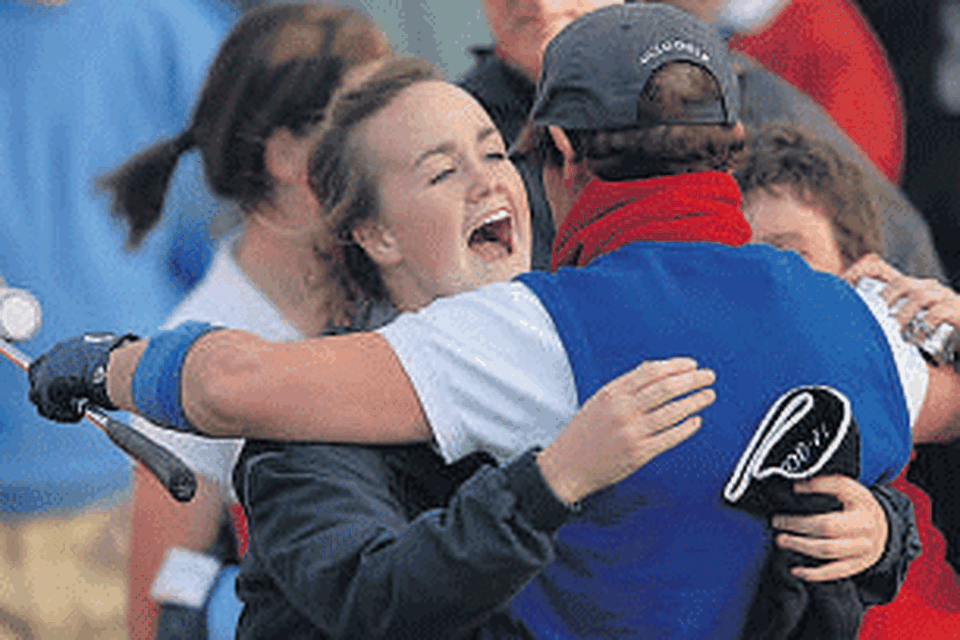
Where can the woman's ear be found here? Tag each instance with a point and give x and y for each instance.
(285, 157)
(378, 243)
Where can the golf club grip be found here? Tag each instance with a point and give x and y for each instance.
(166, 467)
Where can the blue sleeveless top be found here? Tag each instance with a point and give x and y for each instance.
(661, 555)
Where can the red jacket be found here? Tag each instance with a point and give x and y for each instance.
(827, 49)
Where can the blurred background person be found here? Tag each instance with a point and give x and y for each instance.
(261, 105)
(438, 31)
(83, 84)
(923, 40)
(827, 49)
(801, 194)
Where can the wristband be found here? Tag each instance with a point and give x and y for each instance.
(156, 381)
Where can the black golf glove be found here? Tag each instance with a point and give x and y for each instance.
(73, 374)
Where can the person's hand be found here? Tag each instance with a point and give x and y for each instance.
(939, 303)
(854, 539)
(72, 374)
(625, 424)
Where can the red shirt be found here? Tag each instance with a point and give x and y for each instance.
(928, 605)
(826, 49)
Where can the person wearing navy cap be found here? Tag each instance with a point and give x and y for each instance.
(503, 79)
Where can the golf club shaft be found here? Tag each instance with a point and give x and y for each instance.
(169, 469)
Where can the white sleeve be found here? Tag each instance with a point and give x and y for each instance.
(914, 376)
(490, 370)
(208, 457)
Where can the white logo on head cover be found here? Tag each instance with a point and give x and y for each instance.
(788, 444)
(675, 45)
(98, 338)
(99, 375)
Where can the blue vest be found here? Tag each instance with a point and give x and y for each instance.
(661, 555)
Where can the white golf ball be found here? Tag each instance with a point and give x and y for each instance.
(19, 315)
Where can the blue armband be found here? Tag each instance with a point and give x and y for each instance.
(156, 382)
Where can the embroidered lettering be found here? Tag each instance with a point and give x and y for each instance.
(667, 46)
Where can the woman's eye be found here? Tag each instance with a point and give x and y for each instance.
(440, 177)
(496, 155)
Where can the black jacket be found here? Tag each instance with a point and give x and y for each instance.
(388, 542)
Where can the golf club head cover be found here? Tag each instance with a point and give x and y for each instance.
(809, 431)
(72, 374)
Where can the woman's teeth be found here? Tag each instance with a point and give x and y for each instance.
(492, 240)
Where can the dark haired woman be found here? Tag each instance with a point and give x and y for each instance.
(254, 123)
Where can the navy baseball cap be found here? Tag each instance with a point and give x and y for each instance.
(594, 71)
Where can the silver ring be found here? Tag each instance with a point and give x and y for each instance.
(918, 327)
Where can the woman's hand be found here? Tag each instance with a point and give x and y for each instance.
(854, 539)
(626, 424)
(939, 303)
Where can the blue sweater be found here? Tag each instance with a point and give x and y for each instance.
(660, 555)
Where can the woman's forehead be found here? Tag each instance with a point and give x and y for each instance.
(424, 116)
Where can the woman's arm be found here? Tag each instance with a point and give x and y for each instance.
(881, 582)
(236, 384)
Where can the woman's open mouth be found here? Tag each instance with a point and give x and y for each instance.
(493, 239)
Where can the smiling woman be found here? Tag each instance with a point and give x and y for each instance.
(419, 193)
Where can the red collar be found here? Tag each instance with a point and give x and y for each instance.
(692, 207)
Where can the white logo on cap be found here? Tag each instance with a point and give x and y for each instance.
(676, 45)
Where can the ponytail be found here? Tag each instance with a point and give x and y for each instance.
(137, 188)
(277, 68)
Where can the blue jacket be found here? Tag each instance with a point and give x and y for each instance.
(660, 555)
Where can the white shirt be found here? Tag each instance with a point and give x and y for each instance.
(492, 373)
(224, 297)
